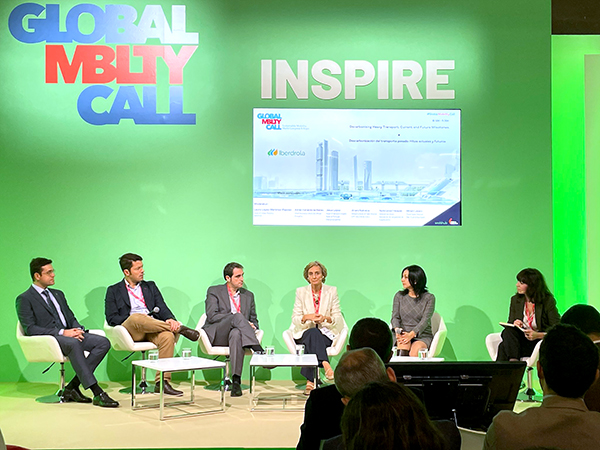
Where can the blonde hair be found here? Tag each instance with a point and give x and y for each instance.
(313, 264)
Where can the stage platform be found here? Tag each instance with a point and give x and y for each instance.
(34, 425)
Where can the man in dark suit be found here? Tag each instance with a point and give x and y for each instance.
(567, 367)
(132, 302)
(44, 311)
(231, 320)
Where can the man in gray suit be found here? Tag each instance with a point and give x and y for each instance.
(231, 320)
(567, 367)
(44, 311)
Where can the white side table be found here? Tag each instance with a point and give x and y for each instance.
(399, 359)
(285, 360)
(176, 365)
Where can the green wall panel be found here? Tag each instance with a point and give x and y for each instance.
(181, 196)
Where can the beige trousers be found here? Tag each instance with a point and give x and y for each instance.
(145, 328)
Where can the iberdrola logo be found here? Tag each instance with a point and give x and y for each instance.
(273, 152)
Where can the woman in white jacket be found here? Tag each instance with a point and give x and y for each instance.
(316, 319)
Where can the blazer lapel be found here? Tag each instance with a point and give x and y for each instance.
(147, 297)
(124, 293)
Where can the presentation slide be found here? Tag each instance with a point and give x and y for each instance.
(347, 167)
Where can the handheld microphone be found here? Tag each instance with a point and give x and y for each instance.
(154, 311)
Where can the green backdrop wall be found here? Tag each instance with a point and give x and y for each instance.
(181, 195)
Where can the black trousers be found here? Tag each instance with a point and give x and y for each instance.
(315, 343)
(514, 345)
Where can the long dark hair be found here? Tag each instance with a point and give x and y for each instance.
(417, 279)
(388, 416)
(537, 290)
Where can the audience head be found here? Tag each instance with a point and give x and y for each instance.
(228, 269)
(568, 361)
(537, 290)
(417, 279)
(35, 266)
(584, 317)
(356, 368)
(127, 260)
(373, 333)
(312, 264)
(387, 415)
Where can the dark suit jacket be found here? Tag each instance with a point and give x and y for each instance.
(322, 416)
(117, 306)
(546, 313)
(218, 307)
(560, 422)
(36, 317)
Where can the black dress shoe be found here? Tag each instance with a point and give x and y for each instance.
(167, 389)
(74, 395)
(105, 401)
(236, 389)
(189, 333)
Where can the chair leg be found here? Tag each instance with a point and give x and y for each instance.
(143, 384)
(141, 388)
(58, 396)
(529, 395)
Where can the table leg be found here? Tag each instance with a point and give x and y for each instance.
(133, 390)
(222, 389)
(193, 384)
(162, 395)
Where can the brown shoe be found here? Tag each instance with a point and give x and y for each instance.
(167, 389)
(189, 333)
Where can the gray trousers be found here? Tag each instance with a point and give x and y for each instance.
(98, 346)
(235, 332)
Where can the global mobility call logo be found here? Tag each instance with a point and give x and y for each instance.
(99, 65)
(271, 121)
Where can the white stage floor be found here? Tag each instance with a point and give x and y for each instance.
(34, 425)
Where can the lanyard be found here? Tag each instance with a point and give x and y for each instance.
(530, 316)
(317, 300)
(139, 299)
(238, 305)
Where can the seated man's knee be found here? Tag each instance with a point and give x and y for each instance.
(167, 337)
(238, 320)
(235, 336)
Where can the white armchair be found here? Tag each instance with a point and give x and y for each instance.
(45, 348)
(215, 350)
(121, 340)
(336, 348)
(492, 342)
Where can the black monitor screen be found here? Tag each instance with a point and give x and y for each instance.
(470, 392)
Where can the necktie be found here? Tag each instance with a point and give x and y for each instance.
(58, 317)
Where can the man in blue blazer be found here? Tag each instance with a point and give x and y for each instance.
(44, 311)
(231, 320)
(139, 306)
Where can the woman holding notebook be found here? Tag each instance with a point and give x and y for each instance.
(532, 312)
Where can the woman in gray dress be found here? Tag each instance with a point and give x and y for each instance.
(411, 315)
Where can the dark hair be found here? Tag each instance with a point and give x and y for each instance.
(584, 317)
(373, 333)
(127, 260)
(36, 264)
(388, 416)
(416, 278)
(569, 360)
(228, 269)
(537, 290)
(312, 264)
